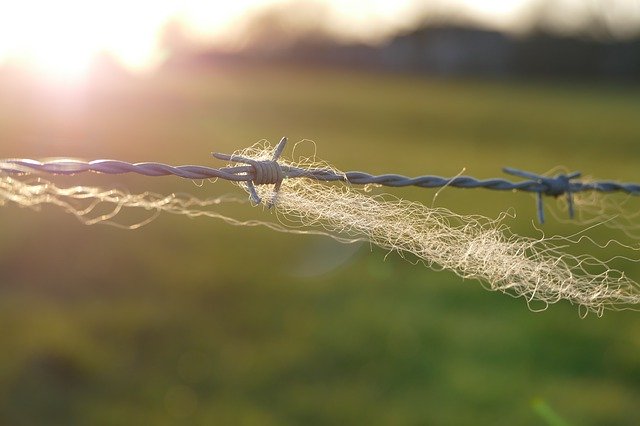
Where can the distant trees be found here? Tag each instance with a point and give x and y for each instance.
(589, 39)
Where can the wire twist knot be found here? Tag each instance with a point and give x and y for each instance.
(264, 172)
(267, 172)
(554, 186)
(557, 185)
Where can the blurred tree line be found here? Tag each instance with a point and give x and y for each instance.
(591, 46)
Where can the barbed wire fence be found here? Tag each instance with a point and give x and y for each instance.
(259, 172)
(540, 270)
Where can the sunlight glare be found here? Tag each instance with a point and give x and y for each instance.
(61, 39)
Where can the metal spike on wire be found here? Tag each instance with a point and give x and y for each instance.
(255, 172)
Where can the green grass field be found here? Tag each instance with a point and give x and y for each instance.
(198, 322)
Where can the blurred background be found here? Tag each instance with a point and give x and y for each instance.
(198, 322)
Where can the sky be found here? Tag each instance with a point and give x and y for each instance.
(61, 38)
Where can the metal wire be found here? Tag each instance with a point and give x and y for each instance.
(269, 171)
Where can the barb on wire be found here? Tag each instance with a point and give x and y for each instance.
(264, 172)
(556, 186)
(255, 172)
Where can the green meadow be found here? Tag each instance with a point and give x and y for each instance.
(194, 321)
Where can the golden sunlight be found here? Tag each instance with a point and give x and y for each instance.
(60, 39)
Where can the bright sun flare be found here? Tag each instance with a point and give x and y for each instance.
(61, 38)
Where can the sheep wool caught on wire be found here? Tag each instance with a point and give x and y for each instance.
(472, 246)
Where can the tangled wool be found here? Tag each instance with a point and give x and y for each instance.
(471, 246)
(92, 205)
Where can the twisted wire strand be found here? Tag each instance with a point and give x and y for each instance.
(271, 172)
(248, 173)
(70, 167)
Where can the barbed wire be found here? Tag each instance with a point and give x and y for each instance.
(259, 172)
